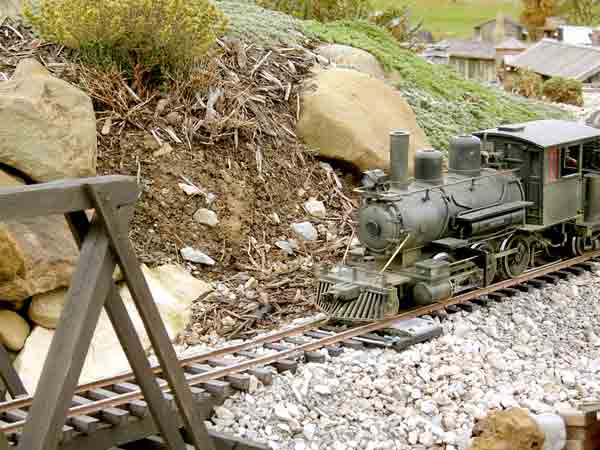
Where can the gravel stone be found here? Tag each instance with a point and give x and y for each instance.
(536, 351)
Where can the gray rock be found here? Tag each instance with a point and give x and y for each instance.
(305, 231)
(206, 217)
(315, 207)
(196, 256)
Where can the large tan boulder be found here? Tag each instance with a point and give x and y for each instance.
(511, 429)
(173, 290)
(47, 126)
(36, 255)
(13, 330)
(348, 115)
(353, 58)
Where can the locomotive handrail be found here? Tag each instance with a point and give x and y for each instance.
(395, 194)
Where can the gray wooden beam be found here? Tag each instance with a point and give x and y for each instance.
(61, 197)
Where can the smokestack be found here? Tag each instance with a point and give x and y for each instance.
(399, 140)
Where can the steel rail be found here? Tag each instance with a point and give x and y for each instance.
(25, 401)
(120, 399)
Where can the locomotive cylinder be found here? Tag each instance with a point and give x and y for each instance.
(428, 166)
(399, 146)
(465, 156)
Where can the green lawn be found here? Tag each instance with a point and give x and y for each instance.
(449, 18)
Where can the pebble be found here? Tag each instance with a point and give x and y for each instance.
(538, 356)
(315, 207)
(206, 217)
(196, 256)
(305, 231)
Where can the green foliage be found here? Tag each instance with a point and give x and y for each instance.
(444, 103)
(263, 26)
(581, 12)
(562, 90)
(526, 83)
(136, 35)
(395, 20)
(321, 10)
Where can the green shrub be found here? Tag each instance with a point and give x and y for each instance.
(320, 10)
(526, 83)
(133, 34)
(562, 90)
(395, 20)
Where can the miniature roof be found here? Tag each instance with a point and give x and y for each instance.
(506, 19)
(469, 49)
(553, 58)
(544, 133)
(511, 43)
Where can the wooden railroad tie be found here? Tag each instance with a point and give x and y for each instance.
(178, 415)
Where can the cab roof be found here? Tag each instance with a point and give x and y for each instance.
(544, 133)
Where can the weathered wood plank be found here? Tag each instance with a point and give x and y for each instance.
(61, 197)
(103, 204)
(70, 344)
(9, 375)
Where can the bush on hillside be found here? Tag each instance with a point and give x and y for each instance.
(395, 20)
(445, 104)
(137, 35)
(561, 90)
(526, 83)
(321, 10)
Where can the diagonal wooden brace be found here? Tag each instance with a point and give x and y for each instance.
(149, 313)
(9, 375)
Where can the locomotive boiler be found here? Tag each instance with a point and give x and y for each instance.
(425, 239)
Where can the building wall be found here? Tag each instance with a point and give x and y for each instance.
(475, 69)
(486, 32)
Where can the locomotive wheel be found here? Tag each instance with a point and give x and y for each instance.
(515, 264)
(581, 245)
(489, 247)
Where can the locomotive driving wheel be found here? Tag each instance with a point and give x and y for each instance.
(516, 263)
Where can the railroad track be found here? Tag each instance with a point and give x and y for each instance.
(108, 412)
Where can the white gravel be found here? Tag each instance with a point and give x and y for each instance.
(539, 350)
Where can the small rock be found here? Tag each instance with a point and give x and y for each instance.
(206, 217)
(174, 118)
(285, 246)
(275, 218)
(196, 256)
(322, 389)
(164, 149)
(107, 126)
(305, 231)
(161, 106)
(315, 207)
(189, 189)
(252, 283)
(309, 430)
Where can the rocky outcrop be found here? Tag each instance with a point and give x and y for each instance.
(47, 126)
(13, 330)
(348, 115)
(37, 254)
(173, 290)
(353, 58)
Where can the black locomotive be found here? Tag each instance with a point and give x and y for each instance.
(513, 198)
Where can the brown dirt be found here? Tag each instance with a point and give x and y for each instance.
(243, 150)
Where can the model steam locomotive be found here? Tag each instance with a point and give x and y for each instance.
(513, 198)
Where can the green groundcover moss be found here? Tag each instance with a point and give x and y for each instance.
(445, 104)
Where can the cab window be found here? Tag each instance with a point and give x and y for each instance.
(570, 162)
